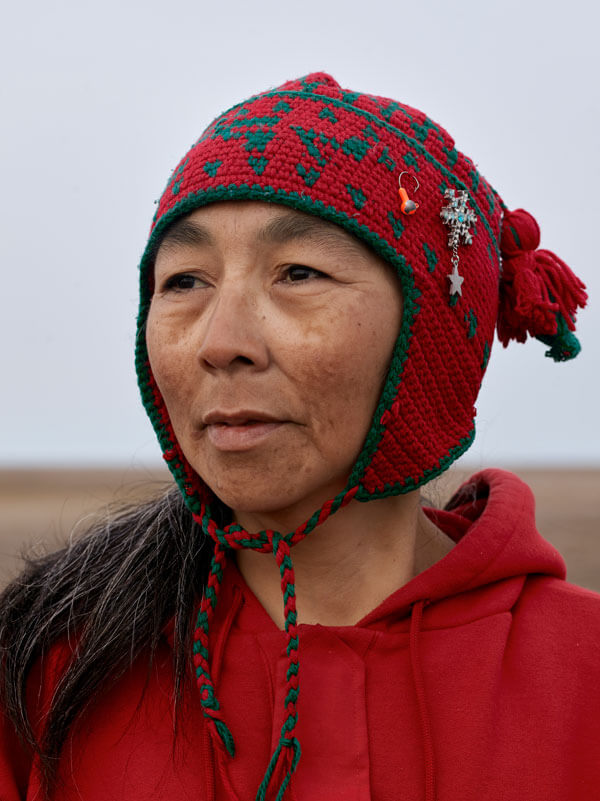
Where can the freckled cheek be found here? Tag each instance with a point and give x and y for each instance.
(341, 375)
(170, 353)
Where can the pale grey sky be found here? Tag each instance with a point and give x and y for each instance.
(100, 100)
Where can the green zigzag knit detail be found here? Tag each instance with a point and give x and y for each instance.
(324, 114)
(386, 159)
(417, 146)
(431, 257)
(301, 203)
(166, 443)
(411, 162)
(358, 196)
(283, 107)
(356, 147)
(486, 356)
(422, 131)
(414, 483)
(410, 294)
(396, 223)
(370, 133)
(451, 156)
(177, 177)
(413, 143)
(471, 321)
(212, 167)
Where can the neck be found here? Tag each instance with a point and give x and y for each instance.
(347, 566)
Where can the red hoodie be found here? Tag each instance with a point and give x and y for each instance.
(479, 679)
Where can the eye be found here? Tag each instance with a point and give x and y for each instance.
(297, 273)
(183, 281)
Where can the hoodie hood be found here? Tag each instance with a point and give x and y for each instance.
(492, 520)
(498, 553)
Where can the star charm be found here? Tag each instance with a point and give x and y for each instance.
(455, 282)
(459, 218)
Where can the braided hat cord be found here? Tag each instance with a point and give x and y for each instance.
(210, 705)
(233, 536)
(288, 745)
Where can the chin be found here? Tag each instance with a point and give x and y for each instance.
(291, 504)
(257, 502)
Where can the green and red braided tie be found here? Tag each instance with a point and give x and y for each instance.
(233, 536)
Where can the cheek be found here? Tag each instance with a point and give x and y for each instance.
(169, 353)
(344, 368)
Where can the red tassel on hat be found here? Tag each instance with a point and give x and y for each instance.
(539, 293)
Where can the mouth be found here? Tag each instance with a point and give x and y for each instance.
(241, 430)
(239, 418)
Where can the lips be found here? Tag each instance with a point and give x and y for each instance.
(242, 417)
(240, 430)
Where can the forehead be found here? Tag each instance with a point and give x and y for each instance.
(259, 224)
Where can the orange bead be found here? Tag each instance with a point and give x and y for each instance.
(407, 206)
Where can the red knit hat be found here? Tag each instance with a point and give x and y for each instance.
(466, 266)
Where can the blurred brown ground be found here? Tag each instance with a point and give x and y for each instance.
(39, 508)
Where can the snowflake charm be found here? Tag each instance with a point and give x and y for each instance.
(459, 217)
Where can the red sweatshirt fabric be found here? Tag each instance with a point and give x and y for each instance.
(479, 679)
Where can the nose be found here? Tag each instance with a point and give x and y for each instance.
(234, 332)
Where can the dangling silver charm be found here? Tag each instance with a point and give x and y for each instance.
(456, 279)
(459, 217)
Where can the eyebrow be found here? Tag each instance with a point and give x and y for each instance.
(287, 227)
(293, 226)
(186, 233)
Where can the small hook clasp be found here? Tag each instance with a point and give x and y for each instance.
(407, 206)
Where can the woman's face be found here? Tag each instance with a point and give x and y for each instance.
(269, 335)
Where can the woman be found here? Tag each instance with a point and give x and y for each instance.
(319, 295)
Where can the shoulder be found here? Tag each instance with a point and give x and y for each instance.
(561, 597)
(559, 617)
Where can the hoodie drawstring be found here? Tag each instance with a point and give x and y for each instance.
(208, 754)
(415, 661)
(209, 760)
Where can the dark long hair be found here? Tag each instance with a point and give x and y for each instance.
(111, 591)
